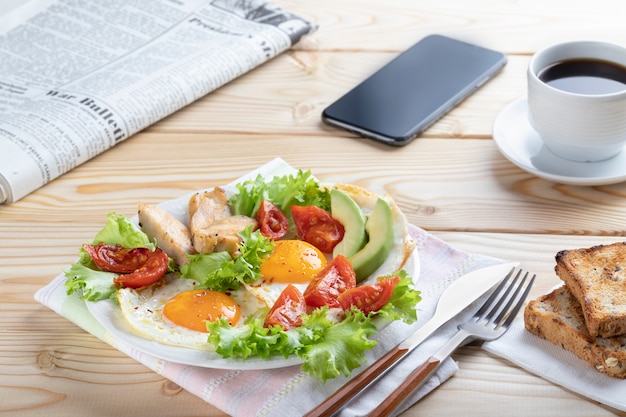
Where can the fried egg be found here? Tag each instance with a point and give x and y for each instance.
(292, 262)
(174, 313)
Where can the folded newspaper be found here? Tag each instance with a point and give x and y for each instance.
(78, 77)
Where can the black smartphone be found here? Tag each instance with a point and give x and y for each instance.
(403, 98)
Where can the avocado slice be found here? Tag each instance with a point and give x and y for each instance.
(347, 212)
(379, 227)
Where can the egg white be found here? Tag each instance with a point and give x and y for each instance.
(268, 292)
(143, 310)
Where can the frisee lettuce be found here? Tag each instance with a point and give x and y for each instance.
(218, 271)
(339, 347)
(85, 278)
(328, 349)
(91, 284)
(301, 189)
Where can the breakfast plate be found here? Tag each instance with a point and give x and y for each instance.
(161, 339)
(520, 144)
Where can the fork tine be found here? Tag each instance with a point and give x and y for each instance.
(507, 300)
(503, 299)
(520, 301)
(493, 296)
(496, 308)
(510, 301)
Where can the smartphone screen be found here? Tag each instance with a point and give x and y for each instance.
(403, 98)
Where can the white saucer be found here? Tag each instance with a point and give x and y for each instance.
(520, 144)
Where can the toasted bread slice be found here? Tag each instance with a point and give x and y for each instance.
(558, 318)
(596, 276)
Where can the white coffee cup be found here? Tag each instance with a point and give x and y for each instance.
(578, 125)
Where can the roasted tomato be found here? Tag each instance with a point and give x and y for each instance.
(115, 258)
(317, 226)
(287, 310)
(336, 278)
(369, 298)
(150, 272)
(272, 221)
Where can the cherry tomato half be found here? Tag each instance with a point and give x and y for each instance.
(369, 298)
(115, 258)
(149, 273)
(337, 277)
(272, 221)
(317, 226)
(287, 310)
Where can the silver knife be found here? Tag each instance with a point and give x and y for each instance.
(460, 294)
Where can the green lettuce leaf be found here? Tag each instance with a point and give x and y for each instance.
(119, 230)
(300, 189)
(220, 272)
(201, 266)
(250, 339)
(93, 285)
(403, 301)
(85, 278)
(328, 349)
(339, 347)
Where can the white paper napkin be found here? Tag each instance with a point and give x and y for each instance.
(557, 365)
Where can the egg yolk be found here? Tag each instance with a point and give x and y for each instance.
(293, 261)
(192, 309)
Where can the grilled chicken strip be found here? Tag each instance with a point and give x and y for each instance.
(206, 208)
(171, 235)
(223, 235)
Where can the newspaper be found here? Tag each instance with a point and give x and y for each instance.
(78, 77)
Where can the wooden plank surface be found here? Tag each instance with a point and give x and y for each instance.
(452, 182)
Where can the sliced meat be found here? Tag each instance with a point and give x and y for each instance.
(222, 235)
(171, 235)
(207, 208)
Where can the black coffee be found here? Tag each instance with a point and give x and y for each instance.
(585, 76)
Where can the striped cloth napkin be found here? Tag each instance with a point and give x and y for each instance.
(287, 391)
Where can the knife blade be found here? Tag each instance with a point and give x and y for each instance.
(460, 294)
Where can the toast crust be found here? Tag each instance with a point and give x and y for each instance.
(558, 318)
(596, 276)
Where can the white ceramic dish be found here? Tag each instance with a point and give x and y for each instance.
(109, 315)
(521, 145)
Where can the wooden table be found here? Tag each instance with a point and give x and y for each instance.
(452, 182)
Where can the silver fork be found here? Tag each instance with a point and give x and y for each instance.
(490, 322)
